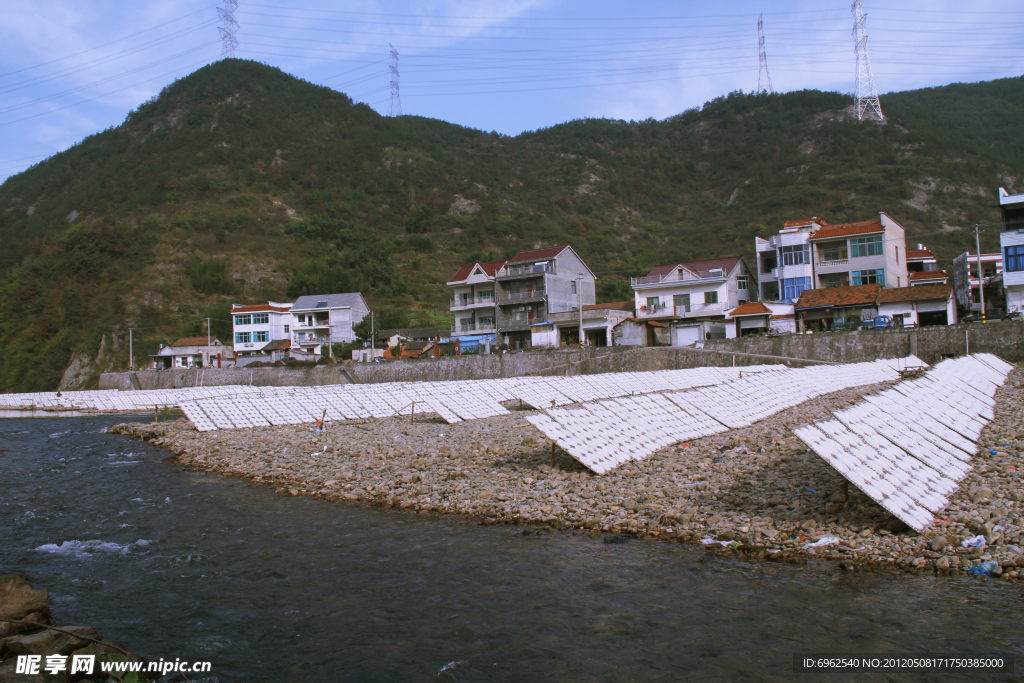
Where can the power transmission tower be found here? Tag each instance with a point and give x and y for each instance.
(866, 93)
(395, 106)
(227, 31)
(764, 79)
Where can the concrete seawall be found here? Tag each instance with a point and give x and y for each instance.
(930, 344)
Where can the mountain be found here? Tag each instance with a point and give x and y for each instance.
(243, 183)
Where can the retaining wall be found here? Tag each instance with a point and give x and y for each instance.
(930, 344)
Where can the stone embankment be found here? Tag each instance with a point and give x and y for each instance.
(758, 490)
(25, 629)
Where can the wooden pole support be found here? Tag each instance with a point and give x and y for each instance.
(412, 413)
(554, 464)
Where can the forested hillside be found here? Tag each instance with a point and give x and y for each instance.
(242, 183)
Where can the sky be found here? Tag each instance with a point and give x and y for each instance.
(78, 67)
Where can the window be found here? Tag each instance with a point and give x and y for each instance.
(897, 254)
(243, 319)
(1014, 259)
(834, 252)
(242, 337)
(681, 301)
(260, 336)
(793, 287)
(573, 285)
(302, 319)
(260, 318)
(486, 296)
(868, 277)
(321, 304)
(486, 321)
(286, 329)
(741, 282)
(711, 297)
(653, 301)
(796, 255)
(478, 272)
(866, 246)
(834, 281)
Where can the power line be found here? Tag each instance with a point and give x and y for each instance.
(866, 92)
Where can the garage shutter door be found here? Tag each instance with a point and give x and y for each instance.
(752, 323)
(931, 306)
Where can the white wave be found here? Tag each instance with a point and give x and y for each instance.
(85, 549)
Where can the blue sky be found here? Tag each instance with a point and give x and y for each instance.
(78, 67)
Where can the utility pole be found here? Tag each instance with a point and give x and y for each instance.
(395, 106)
(131, 350)
(579, 298)
(764, 79)
(866, 93)
(207, 343)
(373, 350)
(227, 32)
(981, 280)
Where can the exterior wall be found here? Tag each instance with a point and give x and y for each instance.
(1011, 239)
(1003, 339)
(468, 310)
(909, 310)
(274, 329)
(895, 250)
(559, 284)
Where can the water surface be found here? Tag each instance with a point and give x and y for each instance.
(275, 588)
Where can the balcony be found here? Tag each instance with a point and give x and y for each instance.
(677, 276)
(510, 323)
(833, 264)
(469, 302)
(474, 328)
(317, 323)
(691, 311)
(538, 294)
(525, 270)
(308, 338)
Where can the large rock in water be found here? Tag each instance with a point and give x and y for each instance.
(18, 599)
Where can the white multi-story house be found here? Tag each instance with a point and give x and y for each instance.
(694, 298)
(319, 320)
(812, 254)
(1011, 241)
(255, 326)
(473, 302)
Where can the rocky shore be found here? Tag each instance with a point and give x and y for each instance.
(25, 629)
(756, 492)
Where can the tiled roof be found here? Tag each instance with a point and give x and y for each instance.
(726, 264)
(466, 271)
(536, 254)
(196, 341)
(784, 316)
(919, 253)
(309, 302)
(929, 275)
(847, 229)
(751, 308)
(797, 224)
(919, 293)
(257, 308)
(617, 306)
(413, 333)
(841, 297)
(277, 345)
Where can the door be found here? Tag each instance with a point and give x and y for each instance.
(686, 336)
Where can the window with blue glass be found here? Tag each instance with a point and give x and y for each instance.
(793, 287)
(866, 246)
(242, 337)
(261, 336)
(1014, 259)
(868, 277)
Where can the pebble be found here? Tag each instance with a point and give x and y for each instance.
(759, 486)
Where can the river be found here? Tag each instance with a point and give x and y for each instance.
(268, 587)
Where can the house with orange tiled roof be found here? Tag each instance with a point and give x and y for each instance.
(473, 302)
(193, 352)
(920, 306)
(811, 254)
(694, 298)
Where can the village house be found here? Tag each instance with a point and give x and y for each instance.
(510, 301)
(320, 320)
(194, 352)
(692, 299)
(920, 306)
(811, 254)
(261, 331)
(599, 325)
(1011, 241)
